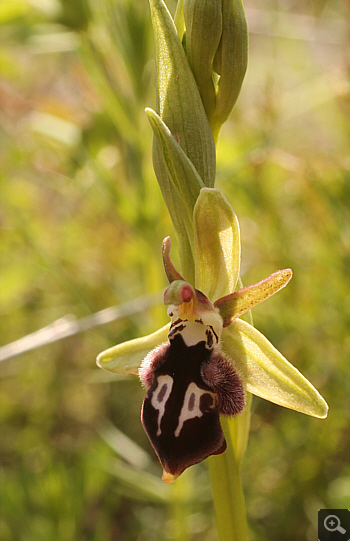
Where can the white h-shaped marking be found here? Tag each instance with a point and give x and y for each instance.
(160, 396)
(190, 408)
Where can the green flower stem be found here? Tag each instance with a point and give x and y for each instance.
(181, 507)
(228, 497)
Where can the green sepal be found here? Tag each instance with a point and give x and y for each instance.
(234, 305)
(126, 358)
(179, 102)
(266, 373)
(217, 245)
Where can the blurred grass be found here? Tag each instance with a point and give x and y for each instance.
(82, 222)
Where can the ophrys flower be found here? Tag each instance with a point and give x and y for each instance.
(201, 364)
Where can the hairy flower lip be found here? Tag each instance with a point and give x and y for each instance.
(189, 383)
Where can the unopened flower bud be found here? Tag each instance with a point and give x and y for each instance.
(216, 47)
(230, 61)
(203, 20)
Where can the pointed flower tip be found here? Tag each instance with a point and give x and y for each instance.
(323, 408)
(166, 245)
(107, 360)
(101, 358)
(314, 406)
(168, 477)
(287, 274)
(171, 272)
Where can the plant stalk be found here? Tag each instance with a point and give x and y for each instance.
(228, 497)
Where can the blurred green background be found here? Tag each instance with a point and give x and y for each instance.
(82, 221)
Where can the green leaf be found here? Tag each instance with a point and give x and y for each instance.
(216, 244)
(234, 305)
(179, 102)
(180, 169)
(114, 102)
(126, 358)
(267, 373)
(180, 218)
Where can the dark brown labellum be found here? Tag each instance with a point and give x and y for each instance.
(181, 411)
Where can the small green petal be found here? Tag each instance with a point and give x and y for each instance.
(216, 244)
(267, 373)
(234, 305)
(126, 358)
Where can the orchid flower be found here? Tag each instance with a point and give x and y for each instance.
(201, 369)
(204, 362)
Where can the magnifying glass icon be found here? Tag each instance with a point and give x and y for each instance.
(332, 524)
